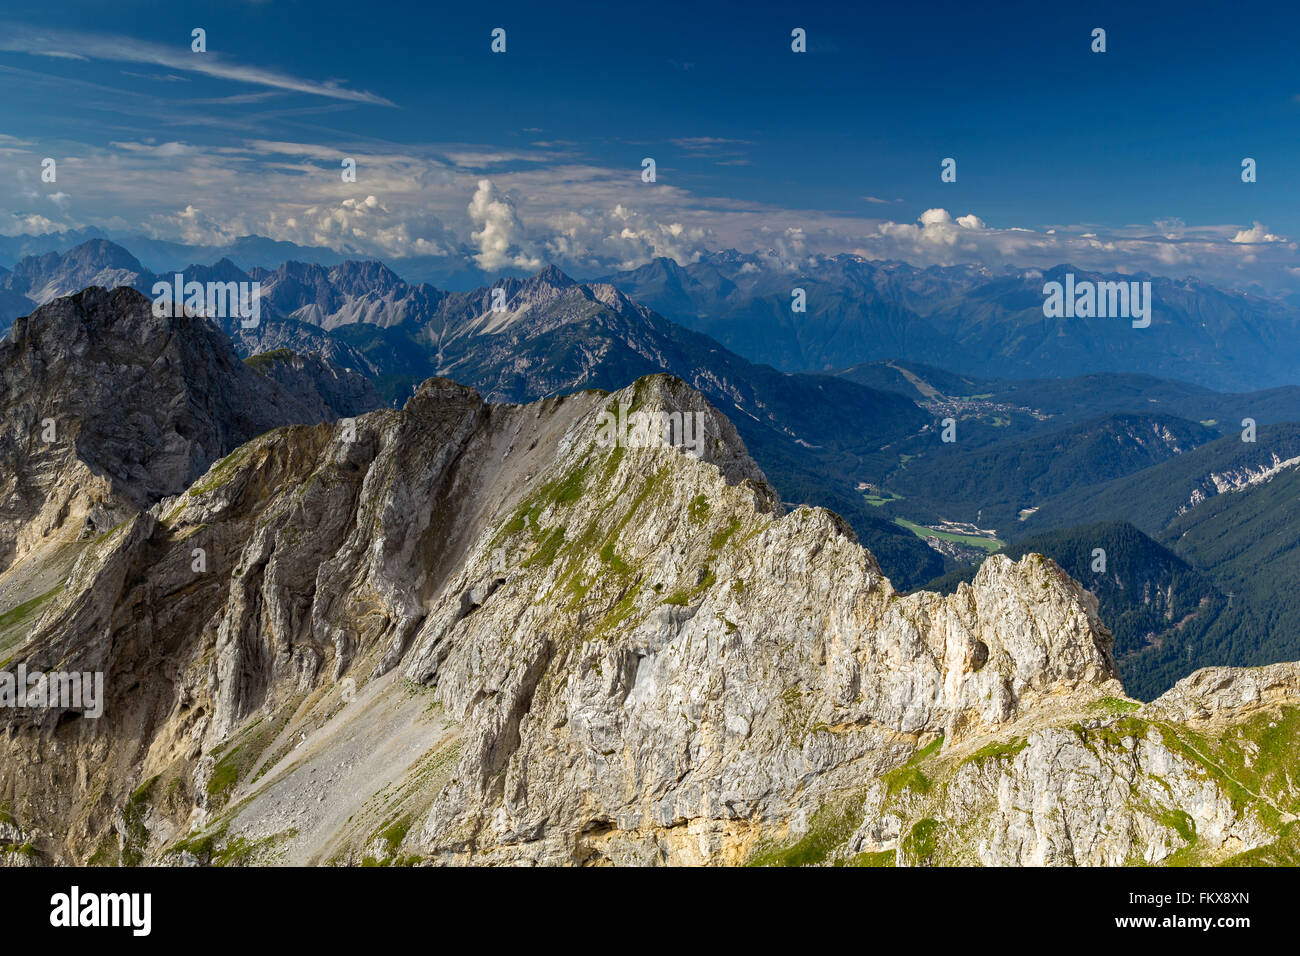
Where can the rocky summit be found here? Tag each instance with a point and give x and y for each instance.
(465, 633)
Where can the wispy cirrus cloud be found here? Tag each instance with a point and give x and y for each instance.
(704, 144)
(719, 150)
(69, 44)
(156, 77)
(60, 55)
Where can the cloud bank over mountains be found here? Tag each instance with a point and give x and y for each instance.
(516, 210)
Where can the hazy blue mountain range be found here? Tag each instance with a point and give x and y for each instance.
(967, 319)
(972, 320)
(162, 255)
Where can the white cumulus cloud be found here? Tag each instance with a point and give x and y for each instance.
(499, 230)
(1257, 233)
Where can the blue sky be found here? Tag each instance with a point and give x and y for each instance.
(1128, 159)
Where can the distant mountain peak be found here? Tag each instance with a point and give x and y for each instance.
(370, 268)
(551, 275)
(105, 251)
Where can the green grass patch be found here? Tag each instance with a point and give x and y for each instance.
(238, 755)
(224, 470)
(998, 750)
(1181, 823)
(567, 488)
(200, 845)
(684, 596)
(883, 858)
(133, 818)
(395, 833)
(16, 615)
(878, 501)
(829, 828)
(21, 849)
(264, 360)
(1285, 851)
(613, 461)
(112, 531)
(547, 550)
(920, 843)
(1114, 705)
(909, 775)
(723, 535)
(613, 560)
(973, 540)
(619, 613)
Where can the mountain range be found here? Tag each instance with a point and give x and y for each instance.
(967, 319)
(463, 632)
(246, 252)
(553, 335)
(1029, 456)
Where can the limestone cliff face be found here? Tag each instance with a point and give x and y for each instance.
(671, 665)
(465, 633)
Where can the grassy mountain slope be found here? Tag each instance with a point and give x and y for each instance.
(992, 485)
(1154, 497)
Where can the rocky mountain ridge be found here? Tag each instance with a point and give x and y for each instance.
(467, 633)
(108, 408)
